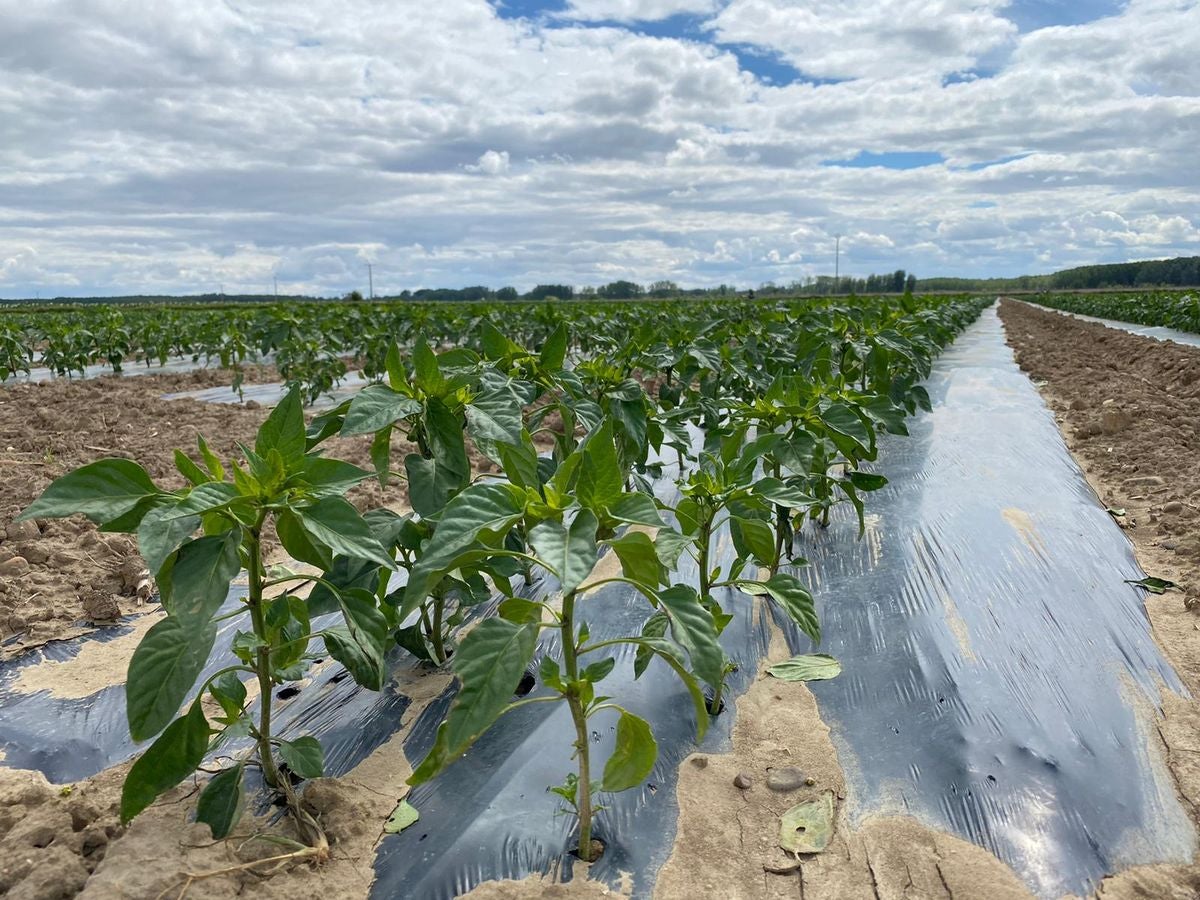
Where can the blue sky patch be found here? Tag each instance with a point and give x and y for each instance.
(896, 159)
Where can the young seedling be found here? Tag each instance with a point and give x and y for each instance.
(196, 540)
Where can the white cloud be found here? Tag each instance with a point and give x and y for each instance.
(492, 162)
(869, 38)
(197, 144)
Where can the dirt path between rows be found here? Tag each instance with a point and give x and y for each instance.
(1129, 409)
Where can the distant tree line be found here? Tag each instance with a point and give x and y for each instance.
(1182, 271)
(823, 285)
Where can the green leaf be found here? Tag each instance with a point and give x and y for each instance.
(160, 534)
(169, 760)
(162, 670)
(807, 667)
(494, 417)
(491, 660)
(425, 367)
(1153, 585)
(790, 594)
(481, 512)
(221, 802)
(230, 693)
(669, 545)
(600, 482)
(753, 537)
(364, 666)
(206, 497)
(211, 462)
(554, 351)
(570, 552)
(634, 756)
(334, 523)
(102, 491)
(375, 407)
(847, 429)
(189, 470)
(447, 445)
(655, 627)
(782, 493)
(284, 430)
(297, 542)
(693, 627)
(402, 816)
(304, 756)
(866, 481)
(636, 508)
(201, 575)
(669, 653)
(639, 558)
(330, 477)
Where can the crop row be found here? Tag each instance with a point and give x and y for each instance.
(1170, 309)
(761, 415)
(313, 344)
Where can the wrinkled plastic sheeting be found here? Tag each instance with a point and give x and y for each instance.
(173, 366)
(999, 677)
(1158, 332)
(68, 739)
(270, 393)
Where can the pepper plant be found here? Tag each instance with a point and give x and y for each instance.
(569, 517)
(196, 540)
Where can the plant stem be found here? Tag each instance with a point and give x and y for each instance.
(583, 791)
(436, 636)
(254, 572)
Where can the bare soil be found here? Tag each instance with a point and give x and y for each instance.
(1129, 409)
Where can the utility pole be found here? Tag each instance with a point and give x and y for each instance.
(275, 278)
(837, 258)
(371, 280)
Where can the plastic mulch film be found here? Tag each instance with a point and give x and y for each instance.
(1000, 678)
(270, 393)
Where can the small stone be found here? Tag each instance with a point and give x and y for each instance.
(253, 404)
(789, 778)
(700, 762)
(1173, 508)
(742, 781)
(14, 567)
(810, 781)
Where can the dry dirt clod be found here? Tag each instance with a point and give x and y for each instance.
(22, 531)
(742, 781)
(14, 567)
(99, 606)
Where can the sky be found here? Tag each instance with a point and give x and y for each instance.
(177, 146)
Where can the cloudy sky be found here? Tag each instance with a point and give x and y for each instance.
(180, 146)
